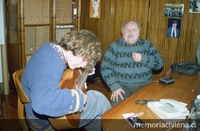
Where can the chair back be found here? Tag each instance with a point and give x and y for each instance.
(22, 98)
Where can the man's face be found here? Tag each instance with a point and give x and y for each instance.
(174, 25)
(131, 32)
(74, 61)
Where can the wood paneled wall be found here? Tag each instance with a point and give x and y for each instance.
(99, 26)
(150, 13)
(113, 13)
(181, 49)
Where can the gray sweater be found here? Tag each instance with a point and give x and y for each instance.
(118, 66)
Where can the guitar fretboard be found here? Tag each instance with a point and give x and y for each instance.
(81, 81)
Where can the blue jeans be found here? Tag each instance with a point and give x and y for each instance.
(90, 119)
(96, 105)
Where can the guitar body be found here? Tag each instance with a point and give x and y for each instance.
(71, 120)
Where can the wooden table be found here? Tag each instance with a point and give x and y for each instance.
(184, 89)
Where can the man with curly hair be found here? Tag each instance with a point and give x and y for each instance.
(42, 76)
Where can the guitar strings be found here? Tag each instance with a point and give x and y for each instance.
(83, 78)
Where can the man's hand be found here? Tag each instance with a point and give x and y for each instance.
(115, 94)
(85, 99)
(84, 95)
(92, 71)
(137, 56)
(85, 85)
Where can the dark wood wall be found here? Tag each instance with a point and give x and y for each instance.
(150, 13)
(174, 49)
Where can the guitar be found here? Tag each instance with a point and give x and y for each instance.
(71, 79)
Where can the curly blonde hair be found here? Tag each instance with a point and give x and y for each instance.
(82, 43)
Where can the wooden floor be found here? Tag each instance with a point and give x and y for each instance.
(9, 103)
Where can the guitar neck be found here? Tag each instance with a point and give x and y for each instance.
(81, 81)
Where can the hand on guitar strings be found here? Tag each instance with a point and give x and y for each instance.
(85, 85)
(85, 99)
(84, 95)
(92, 71)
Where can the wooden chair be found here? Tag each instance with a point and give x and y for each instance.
(59, 124)
(22, 98)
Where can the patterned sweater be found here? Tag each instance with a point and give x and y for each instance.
(118, 66)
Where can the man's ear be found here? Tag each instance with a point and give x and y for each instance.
(122, 32)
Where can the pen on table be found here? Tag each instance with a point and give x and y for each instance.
(138, 114)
